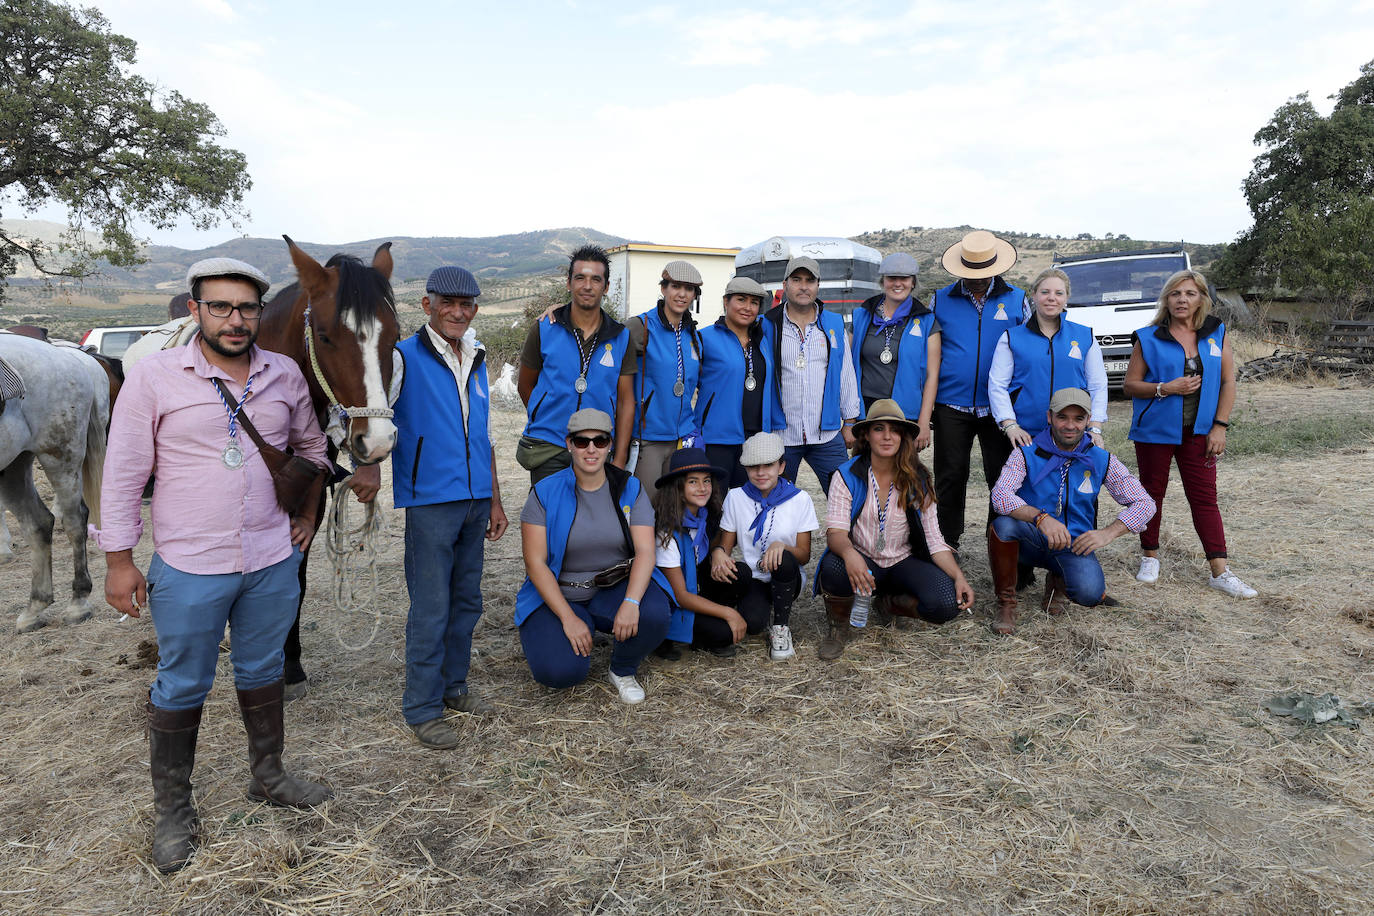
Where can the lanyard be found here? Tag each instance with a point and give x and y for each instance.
(882, 507)
(234, 412)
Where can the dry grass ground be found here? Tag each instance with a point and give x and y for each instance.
(1112, 761)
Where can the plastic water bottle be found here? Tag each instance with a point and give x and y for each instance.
(858, 614)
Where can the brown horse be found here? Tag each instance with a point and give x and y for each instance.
(338, 322)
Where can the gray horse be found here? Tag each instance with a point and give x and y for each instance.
(60, 419)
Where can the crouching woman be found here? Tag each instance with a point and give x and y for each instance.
(588, 538)
(882, 535)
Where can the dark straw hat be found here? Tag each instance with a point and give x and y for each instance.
(886, 411)
(687, 461)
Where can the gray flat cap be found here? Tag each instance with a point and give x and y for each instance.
(743, 286)
(761, 448)
(590, 418)
(682, 272)
(899, 264)
(227, 267)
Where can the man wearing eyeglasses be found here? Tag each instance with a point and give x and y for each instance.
(225, 551)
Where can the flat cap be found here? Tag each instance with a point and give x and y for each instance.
(589, 418)
(803, 263)
(761, 448)
(899, 264)
(682, 272)
(743, 286)
(452, 281)
(227, 267)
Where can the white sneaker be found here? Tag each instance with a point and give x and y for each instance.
(1149, 570)
(780, 642)
(630, 691)
(1230, 583)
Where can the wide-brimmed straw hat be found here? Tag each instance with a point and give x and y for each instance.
(687, 461)
(886, 410)
(979, 255)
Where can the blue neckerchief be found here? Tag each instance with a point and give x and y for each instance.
(1044, 440)
(782, 491)
(695, 522)
(898, 316)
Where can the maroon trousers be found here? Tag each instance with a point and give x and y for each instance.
(1199, 474)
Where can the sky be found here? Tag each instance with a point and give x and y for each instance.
(722, 124)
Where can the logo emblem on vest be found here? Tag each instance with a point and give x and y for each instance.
(1074, 352)
(832, 338)
(1212, 344)
(916, 329)
(1001, 313)
(1087, 485)
(606, 359)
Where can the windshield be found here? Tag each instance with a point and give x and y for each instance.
(1125, 280)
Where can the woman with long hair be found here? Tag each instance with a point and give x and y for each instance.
(882, 534)
(587, 533)
(1182, 378)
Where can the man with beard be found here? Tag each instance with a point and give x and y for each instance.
(226, 553)
(1046, 500)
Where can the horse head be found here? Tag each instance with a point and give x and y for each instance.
(350, 332)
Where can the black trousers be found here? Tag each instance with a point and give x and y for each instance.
(932, 588)
(759, 603)
(954, 433)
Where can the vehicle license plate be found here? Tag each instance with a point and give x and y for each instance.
(1116, 365)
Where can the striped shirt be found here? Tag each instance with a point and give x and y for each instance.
(1125, 489)
(864, 533)
(803, 389)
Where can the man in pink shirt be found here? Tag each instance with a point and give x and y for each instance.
(226, 553)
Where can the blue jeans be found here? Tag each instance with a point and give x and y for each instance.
(824, 457)
(189, 615)
(443, 563)
(551, 657)
(1083, 580)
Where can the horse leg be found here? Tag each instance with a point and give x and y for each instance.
(6, 542)
(72, 509)
(20, 495)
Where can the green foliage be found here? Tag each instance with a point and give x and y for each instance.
(1309, 192)
(82, 132)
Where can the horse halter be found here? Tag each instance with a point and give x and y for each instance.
(344, 414)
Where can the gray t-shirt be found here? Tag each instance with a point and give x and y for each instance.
(596, 540)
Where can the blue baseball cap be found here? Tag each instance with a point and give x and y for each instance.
(452, 281)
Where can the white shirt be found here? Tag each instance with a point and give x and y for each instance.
(459, 363)
(999, 377)
(796, 515)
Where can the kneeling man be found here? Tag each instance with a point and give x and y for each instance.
(1046, 500)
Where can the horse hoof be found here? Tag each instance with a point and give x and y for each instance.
(75, 613)
(30, 621)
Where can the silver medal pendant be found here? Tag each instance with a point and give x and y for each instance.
(678, 388)
(580, 386)
(801, 362)
(885, 357)
(749, 383)
(882, 542)
(232, 456)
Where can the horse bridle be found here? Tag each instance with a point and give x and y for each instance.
(344, 413)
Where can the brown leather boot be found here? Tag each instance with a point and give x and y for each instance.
(1002, 556)
(904, 606)
(1054, 600)
(837, 614)
(262, 719)
(172, 737)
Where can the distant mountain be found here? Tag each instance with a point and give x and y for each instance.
(523, 254)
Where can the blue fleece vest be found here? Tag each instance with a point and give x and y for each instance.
(911, 339)
(1084, 481)
(1042, 365)
(854, 473)
(722, 384)
(1161, 419)
(556, 495)
(968, 340)
(439, 458)
(554, 398)
(663, 416)
(831, 327)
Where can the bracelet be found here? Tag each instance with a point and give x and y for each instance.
(1222, 423)
(1095, 429)
(1039, 517)
(1159, 393)
(1006, 430)
(628, 600)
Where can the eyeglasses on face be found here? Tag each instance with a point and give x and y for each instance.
(221, 309)
(600, 440)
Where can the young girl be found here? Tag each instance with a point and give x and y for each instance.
(687, 508)
(773, 521)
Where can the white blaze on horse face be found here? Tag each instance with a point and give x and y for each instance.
(381, 432)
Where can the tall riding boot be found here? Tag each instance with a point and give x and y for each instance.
(1054, 600)
(262, 718)
(837, 614)
(172, 737)
(1002, 556)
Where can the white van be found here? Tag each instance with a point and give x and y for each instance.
(113, 342)
(1116, 293)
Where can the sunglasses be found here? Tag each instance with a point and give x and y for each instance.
(600, 440)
